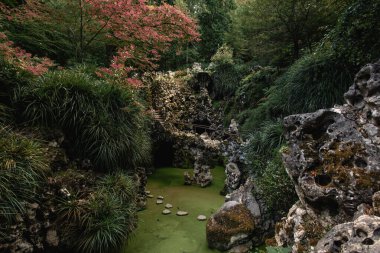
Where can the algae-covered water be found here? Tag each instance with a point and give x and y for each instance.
(158, 233)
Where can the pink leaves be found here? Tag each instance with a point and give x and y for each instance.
(144, 31)
(21, 59)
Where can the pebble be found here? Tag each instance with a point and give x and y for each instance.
(168, 206)
(166, 211)
(201, 218)
(150, 196)
(147, 192)
(159, 201)
(182, 213)
(160, 197)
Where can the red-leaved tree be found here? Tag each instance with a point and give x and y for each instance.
(137, 32)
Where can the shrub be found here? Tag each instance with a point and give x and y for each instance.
(23, 163)
(225, 79)
(104, 122)
(101, 221)
(356, 38)
(253, 87)
(264, 143)
(276, 187)
(226, 75)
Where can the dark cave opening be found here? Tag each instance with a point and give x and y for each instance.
(163, 153)
(201, 126)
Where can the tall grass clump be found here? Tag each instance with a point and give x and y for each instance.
(264, 144)
(23, 164)
(101, 222)
(104, 122)
(273, 183)
(315, 81)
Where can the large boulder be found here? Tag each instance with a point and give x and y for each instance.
(334, 154)
(232, 225)
(241, 207)
(334, 158)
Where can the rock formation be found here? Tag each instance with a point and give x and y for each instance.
(232, 225)
(188, 129)
(334, 160)
(227, 219)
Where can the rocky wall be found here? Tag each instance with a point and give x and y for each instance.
(334, 161)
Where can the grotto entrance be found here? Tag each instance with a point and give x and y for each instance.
(163, 153)
(201, 126)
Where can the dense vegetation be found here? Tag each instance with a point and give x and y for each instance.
(75, 67)
(297, 58)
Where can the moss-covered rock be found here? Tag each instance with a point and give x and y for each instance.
(232, 225)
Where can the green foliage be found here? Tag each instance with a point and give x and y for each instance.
(264, 143)
(104, 220)
(214, 21)
(223, 55)
(104, 122)
(317, 79)
(23, 164)
(357, 35)
(276, 188)
(225, 78)
(253, 87)
(225, 73)
(278, 32)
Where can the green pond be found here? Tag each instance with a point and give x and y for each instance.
(158, 233)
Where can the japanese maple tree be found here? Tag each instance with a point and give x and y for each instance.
(137, 32)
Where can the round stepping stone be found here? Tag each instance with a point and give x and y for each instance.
(160, 197)
(168, 206)
(182, 213)
(159, 201)
(150, 196)
(166, 212)
(201, 218)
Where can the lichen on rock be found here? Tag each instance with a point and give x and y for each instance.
(334, 161)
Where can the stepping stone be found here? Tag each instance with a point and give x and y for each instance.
(166, 212)
(167, 206)
(159, 201)
(182, 213)
(160, 197)
(201, 218)
(150, 196)
(147, 192)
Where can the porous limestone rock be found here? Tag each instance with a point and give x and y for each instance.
(202, 172)
(361, 235)
(232, 225)
(334, 160)
(187, 125)
(334, 154)
(262, 219)
(233, 177)
(188, 179)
